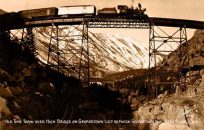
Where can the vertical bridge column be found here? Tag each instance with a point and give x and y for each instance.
(30, 42)
(68, 50)
(161, 44)
(84, 68)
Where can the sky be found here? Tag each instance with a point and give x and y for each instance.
(181, 9)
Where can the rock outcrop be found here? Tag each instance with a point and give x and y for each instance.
(184, 109)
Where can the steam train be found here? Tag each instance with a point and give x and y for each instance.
(84, 11)
(73, 11)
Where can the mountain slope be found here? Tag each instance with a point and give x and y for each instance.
(192, 52)
(108, 53)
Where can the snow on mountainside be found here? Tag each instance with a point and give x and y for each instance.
(108, 53)
(118, 53)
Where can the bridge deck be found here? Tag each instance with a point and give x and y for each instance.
(177, 23)
(108, 22)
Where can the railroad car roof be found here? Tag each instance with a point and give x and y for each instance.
(39, 9)
(77, 5)
(109, 8)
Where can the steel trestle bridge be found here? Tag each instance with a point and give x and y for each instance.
(157, 39)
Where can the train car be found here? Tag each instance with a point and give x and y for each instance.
(36, 13)
(107, 11)
(75, 11)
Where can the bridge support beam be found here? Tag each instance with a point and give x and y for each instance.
(29, 41)
(68, 51)
(84, 68)
(162, 44)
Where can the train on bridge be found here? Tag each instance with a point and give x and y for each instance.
(84, 11)
(122, 11)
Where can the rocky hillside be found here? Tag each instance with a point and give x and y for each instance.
(192, 52)
(29, 92)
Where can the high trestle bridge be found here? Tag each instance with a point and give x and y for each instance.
(158, 38)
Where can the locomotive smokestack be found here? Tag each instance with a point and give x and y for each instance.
(140, 6)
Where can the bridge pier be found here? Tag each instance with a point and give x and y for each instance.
(162, 44)
(68, 51)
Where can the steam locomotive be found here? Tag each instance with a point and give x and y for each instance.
(124, 11)
(131, 12)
